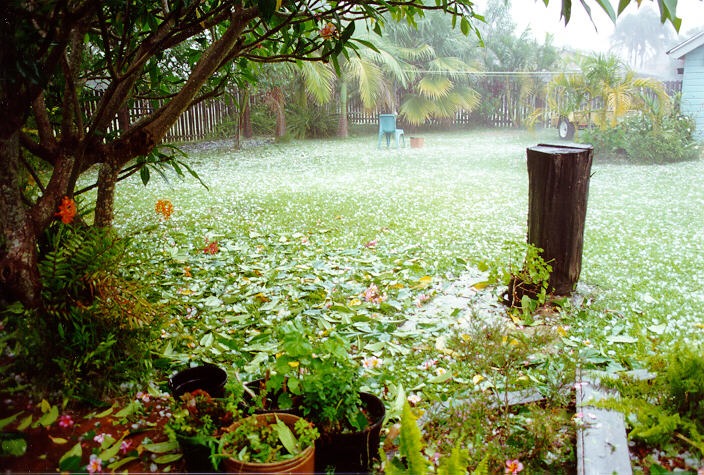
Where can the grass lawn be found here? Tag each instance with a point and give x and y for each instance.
(339, 236)
(461, 196)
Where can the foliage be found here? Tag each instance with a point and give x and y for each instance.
(604, 92)
(198, 419)
(254, 439)
(668, 410)
(311, 122)
(262, 121)
(607, 143)
(97, 324)
(527, 283)
(669, 140)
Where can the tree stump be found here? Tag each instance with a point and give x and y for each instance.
(558, 182)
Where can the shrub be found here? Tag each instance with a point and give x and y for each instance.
(607, 143)
(311, 122)
(670, 141)
(95, 326)
(263, 121)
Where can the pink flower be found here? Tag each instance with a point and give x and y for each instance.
(94, 465)
(371, 362)
(100, 438)
(65, 421)
(428, 364)
(125, 446)
(143, 396)
(435, 458)
(413, 399)
(371, 243)
(513, 467)
(372, 294)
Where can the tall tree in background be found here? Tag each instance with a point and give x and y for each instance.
(642, 39)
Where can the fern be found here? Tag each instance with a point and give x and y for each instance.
(412, 461)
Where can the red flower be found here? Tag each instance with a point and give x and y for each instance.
(164, 208)
(67, 210)
(328, 31)
(211, 247)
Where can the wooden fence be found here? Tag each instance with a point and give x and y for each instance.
(203, 120)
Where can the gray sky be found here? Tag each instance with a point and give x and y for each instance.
(580, 33)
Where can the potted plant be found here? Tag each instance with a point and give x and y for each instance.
(316, 377)
(196, 423)
(269, 443)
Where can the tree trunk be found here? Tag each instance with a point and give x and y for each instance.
(342, 123)
(558, 179)
(247, 131)
(105, 200)
(107, 179)
(19, 273)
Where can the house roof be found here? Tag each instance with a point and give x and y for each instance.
(687, 45)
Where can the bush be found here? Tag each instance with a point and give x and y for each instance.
(671, 141)
(311, 122)
(95, 327)
(263, 121)
(645, 140)
(607, 143)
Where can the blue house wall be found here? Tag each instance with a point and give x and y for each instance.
(693, 88)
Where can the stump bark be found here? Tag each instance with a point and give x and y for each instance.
(558, 182)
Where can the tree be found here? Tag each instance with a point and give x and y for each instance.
(58, 47)
(606, 89)
(52, 49)
(641, 37)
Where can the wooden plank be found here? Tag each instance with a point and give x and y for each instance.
(602, 447)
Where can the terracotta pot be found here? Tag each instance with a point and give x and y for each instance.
(417, 142)
(353, 452)
(303, 463)
(209, 378)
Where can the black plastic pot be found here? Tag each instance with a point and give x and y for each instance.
(196, 456)
(352, 452)
(209, 378)
(256, 387)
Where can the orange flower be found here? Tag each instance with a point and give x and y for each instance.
(328, 31)
(164, 208)
(67, 210)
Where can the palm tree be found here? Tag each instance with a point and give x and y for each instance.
(437, 80)
(607, 90)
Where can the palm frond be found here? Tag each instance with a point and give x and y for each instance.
(416, 109)
(434, 87)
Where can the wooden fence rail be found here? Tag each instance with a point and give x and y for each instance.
(203, 119)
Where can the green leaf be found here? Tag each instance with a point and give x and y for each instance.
(119, 463)
(144, 174)
(24, 423)
(161, 447)
(621, 339)
(622, 4)
(606, 6)
(75, 451)
(441, 378)
(128, 410)
(288, 440)
(168, 458)
(15, 447)
(106, 412)
(47, 419)
(9, 420)
(112, 451)
(464, 26)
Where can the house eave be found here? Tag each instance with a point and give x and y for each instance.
(687, 46)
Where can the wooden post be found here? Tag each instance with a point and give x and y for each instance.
(558, 182)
